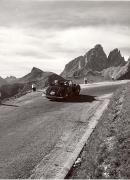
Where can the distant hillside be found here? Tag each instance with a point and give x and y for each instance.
(124, 72)
(117, 73)
(10, 79)
(111, 72)
(35, 75)
(9, 90)
(39, 77)
(22, 85)
(2, 81)
(94, 65)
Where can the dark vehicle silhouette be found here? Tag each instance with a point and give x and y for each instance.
(62, 90)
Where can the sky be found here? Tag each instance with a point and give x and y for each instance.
(49, 34)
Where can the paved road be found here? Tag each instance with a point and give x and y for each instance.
(31, 126)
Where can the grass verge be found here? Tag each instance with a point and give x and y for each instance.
(107, 152)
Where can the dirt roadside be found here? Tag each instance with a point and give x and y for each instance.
(107, 152)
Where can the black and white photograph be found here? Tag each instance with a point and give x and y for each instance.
(64, 89)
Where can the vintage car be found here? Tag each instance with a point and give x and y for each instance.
(62, 90)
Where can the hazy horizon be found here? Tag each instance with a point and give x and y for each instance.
(48, 34)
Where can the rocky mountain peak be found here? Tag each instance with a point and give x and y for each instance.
(115, 58)
(98, 47)
(96, 58)
(39, 77)
(36, 70)
(33, 75)
(96, 62)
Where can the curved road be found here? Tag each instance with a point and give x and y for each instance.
(31, 126)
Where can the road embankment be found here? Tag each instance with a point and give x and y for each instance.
(106, 154)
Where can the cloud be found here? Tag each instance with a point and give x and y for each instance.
(21, 49)
(50, 34)
(63, 14)
(69, 0)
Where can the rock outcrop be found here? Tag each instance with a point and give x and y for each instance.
(96, 59)
(96, 65)
(115, 59)
(120, 72)
(124, 72)
(73, 66)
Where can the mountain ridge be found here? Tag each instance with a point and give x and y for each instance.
(94, 65)
(39, 77)
(10, 79)
(2, 81)
(94, 62)
(22, 85)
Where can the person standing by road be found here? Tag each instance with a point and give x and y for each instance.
(85, 80)
(33, 87)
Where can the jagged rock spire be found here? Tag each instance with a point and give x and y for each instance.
(115, 58)
(96, 58)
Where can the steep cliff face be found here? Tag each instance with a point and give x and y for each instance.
(115, 59)
(96, 62)
(73, 66)
(96, 59)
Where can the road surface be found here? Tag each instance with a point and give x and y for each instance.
(31, 127)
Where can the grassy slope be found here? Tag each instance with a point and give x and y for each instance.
(107, 154)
